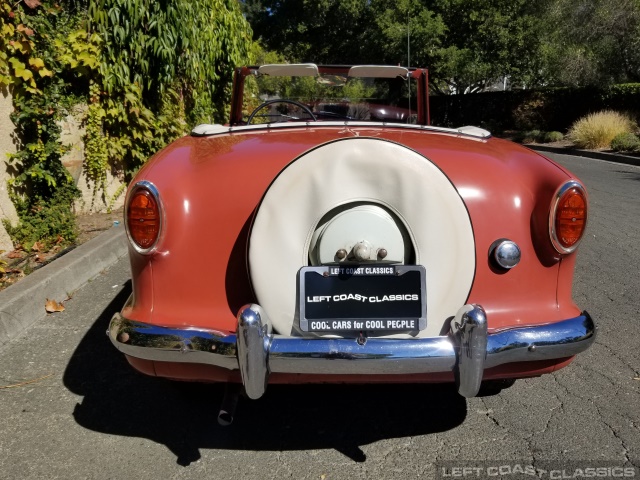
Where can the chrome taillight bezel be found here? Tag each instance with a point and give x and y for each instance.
(553, 234)
(153, 191)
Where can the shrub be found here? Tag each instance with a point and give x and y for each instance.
(550, 137)
(597, 130)
(530, 136)
(48, 221)
(538, 136)
(625, 142)
(529, 114)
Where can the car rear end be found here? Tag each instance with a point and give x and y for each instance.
(352, 253)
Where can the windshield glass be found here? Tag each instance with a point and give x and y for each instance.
(328, 97)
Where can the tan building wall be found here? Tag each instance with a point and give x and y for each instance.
(7, 210)
(72, 133)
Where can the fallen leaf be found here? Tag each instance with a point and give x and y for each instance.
(53, 306)
(15, 254)
(39, 258)
(37, 247)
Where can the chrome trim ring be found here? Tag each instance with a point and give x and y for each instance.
(552, 216)
(153, 190)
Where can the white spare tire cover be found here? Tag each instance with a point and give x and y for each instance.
(371, 171)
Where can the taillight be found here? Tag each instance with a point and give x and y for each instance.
(143, 216)
(568, 217)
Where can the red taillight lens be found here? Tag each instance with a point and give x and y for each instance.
(568, 217)
(143, 218)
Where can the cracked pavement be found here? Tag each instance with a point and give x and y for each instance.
(94, 417)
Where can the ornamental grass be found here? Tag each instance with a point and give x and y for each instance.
(597, 130)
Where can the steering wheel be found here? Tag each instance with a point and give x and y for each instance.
(268, 103)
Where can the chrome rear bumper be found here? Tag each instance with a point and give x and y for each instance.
(466, 351)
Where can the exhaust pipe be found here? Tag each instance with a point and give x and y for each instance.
(229, 404)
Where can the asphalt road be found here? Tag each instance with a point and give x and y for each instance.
(87, 414)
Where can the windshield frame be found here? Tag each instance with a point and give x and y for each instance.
(419, 75)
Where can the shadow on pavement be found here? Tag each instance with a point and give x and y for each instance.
(182, 416)
(629, 175)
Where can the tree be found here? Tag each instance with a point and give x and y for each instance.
(486, 40)
(322, 31)
(467, 44)
(408, 32)
(606, 51)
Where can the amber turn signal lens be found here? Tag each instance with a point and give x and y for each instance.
(570, 218)
(143, 219)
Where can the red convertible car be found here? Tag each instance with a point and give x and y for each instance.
(329, 233)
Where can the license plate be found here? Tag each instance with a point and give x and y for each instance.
(371, 298)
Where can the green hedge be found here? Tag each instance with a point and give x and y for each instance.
(543, 109)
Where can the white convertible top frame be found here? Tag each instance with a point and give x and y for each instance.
(311, 70)
(289, 70)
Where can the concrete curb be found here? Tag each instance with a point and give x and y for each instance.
(22, 304)
(609, 157)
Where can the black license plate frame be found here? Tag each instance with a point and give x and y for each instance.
(362, 298)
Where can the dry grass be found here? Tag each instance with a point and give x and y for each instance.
(598, 129)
